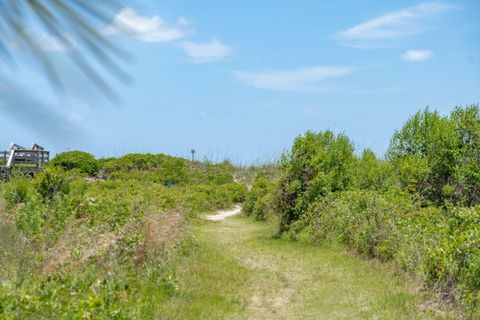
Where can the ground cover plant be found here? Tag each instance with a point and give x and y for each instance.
(417, 208)
(118, 238)
(95, 239)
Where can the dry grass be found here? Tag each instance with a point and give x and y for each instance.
(162, 234)
(76, 245)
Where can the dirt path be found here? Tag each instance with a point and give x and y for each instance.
(221, 215)
(239, 271)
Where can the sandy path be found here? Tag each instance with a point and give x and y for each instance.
(221, 215)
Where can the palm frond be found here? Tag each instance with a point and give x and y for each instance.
(71, 22)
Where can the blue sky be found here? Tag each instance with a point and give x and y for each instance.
(241, 79)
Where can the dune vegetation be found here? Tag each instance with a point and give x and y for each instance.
(419, 208)
(122, 238)
(95, 239)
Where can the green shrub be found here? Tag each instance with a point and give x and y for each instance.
(259, 202)
(364, 221)
(170, 171)
(437, 157)
(371, 173)
(442, 246)
(76, 160)
(17, 190)
(318, 163)
(419, 208)
(455, 261)
(51, 182)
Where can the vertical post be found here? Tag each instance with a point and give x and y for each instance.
(193, 155)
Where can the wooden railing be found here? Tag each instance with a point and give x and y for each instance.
(36, 158)
(25, 160)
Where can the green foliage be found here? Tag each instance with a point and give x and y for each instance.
(419, 208)
(259, 202)
(134, 162)
(361, 220)
(76, 160)
(164, 169)
(455, 260)
(438, 157)
(105, 249)
(17, 190)
(318, 163)
(373, 174)
(443, 247)
(51, 182)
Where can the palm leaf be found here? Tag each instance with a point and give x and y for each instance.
(81, 20)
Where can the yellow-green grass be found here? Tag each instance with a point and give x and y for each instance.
(239, 271)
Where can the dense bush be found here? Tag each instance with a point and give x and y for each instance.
(165, 169)
(371, 173)
(318, 163)
(419, 208)
(50, 182)
(76, 160)
(438, 157)
(259, 202)
(134, 162)
(17, 190)
(442, 246)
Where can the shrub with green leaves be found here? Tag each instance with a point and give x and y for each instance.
(419, 208)
(76, 160)
(259, 202)
(18, 189)
(51, 182)
(371, 173)
(454, 262)
(318, 163)
(438, 157)
(104, 249)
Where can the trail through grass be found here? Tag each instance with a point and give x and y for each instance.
(238, 271)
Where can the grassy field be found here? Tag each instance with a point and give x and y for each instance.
(237, 270)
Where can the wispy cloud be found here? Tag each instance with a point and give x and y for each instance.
(148, 28)
(304, 79)
(395, 24)
(208, 51)
(417, 55)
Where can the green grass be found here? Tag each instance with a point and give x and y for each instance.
(210, 286)
(239, 271)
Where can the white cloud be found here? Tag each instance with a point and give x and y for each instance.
(54, 44)
(183, 22)
(304, 79)
(417, 55)
(148, 29)
(208, 51)
(396, 24)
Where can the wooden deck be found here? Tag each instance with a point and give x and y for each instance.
(25, 160)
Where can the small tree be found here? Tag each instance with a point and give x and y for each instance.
(318, 163)
(76, 160)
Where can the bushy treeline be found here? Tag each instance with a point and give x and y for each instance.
(99, 239)
(438, 157)
(418, 208)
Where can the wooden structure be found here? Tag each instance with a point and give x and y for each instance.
(26, 160)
